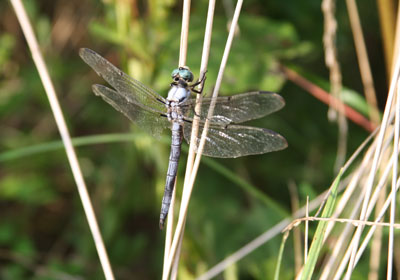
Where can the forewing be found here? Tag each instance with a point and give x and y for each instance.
(131, 89)
(233, 141)
(148, 119)
(238, 108)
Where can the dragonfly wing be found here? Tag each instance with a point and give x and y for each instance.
(150, 120)
(238, 108)
(130, 88)
(231, 141)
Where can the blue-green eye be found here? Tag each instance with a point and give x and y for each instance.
(184, 73)
(174, 73)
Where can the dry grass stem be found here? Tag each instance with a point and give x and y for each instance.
(353, 222)
(335, 77)
(362, 56)
(360, 178)
(184, 33)
(174, 270)
(365, 243)
(169, 229)
(62, 127)
(193, 138)
(375, 164)
(184, 205)
(376, 245)
(306, 233)
(381, 214)
(395, 158)
(182, 63)
(339, 247)
(294, 198)
(387, 19)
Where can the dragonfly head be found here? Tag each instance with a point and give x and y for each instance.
(183, 73)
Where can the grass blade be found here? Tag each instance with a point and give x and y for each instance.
(316, 244)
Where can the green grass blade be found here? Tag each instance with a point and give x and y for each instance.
(280, 256)
(316, 244)
(128, 137)
(57, 145)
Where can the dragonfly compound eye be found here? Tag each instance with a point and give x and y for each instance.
(186, 74)
(182, 73)
(175, 73)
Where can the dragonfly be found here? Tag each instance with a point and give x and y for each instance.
(226, 138)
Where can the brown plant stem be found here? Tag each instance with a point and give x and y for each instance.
(325, 97)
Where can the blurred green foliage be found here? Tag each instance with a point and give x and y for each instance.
(43, 232)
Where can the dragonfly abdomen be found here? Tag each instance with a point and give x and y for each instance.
(172, 171)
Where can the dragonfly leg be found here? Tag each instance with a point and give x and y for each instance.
(201, 81)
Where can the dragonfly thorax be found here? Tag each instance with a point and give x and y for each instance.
(178, 93)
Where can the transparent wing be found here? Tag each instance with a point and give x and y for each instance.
(231, 141)
(150, 120)
(125, 85)
(238, 108)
